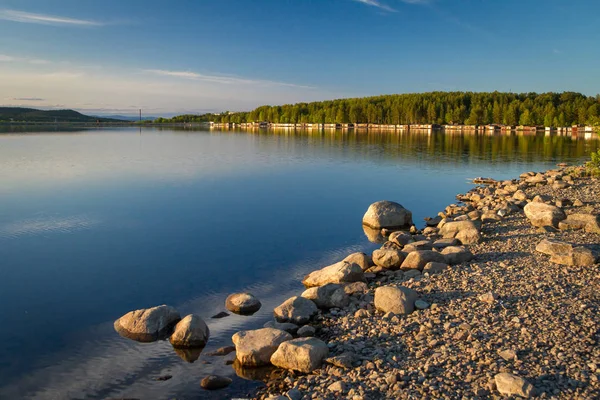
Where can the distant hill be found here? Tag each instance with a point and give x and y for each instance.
(20, 114)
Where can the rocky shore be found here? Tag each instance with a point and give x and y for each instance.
(498, 296)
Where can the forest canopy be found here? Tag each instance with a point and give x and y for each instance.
(548, 109)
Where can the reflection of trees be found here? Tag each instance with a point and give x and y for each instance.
(435, 148)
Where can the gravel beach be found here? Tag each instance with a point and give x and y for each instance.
(506, 323)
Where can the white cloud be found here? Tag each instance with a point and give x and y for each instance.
(221, 79)
(376, 3)
(157, 91)
(45, 19)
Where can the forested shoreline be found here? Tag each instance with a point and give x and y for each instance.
(548, 109)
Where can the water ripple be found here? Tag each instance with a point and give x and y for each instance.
(47, 225)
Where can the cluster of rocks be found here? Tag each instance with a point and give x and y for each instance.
(188, 335)
(468, 307)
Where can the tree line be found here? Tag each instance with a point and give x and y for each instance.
(469, 108)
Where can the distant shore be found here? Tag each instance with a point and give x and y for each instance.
(408, 127)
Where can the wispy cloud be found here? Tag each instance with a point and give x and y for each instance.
(28, 99)
(221, 79)
(45, 19)
(385, 7)
(37, 61)
(378, 4)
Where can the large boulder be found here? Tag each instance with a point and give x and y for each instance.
(467, 232)
(303, 355)
(148, 324)
(512, 385)
(191, 331)
(388, 258)
(387, 214)
(361, 259)
(255, 348)
(542, 214)
(341, 272)
(398, 300)
(296, 310)
(242, 303)
(457, 255)
(328, 296)
(418, 259)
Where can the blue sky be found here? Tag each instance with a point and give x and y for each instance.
(115, 56)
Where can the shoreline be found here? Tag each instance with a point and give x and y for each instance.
(508, 310)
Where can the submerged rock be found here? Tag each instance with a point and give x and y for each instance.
(148, 324)
(215, 382)
(387, 214)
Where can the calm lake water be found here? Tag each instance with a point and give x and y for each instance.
(95, 223)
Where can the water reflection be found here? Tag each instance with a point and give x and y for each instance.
(188, 354)
(262, 374)
(94, 224)
(374, 235)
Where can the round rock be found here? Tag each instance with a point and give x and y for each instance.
(242, 303)
(191, 331)
(387, 214)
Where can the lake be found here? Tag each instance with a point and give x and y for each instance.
(97, 222)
